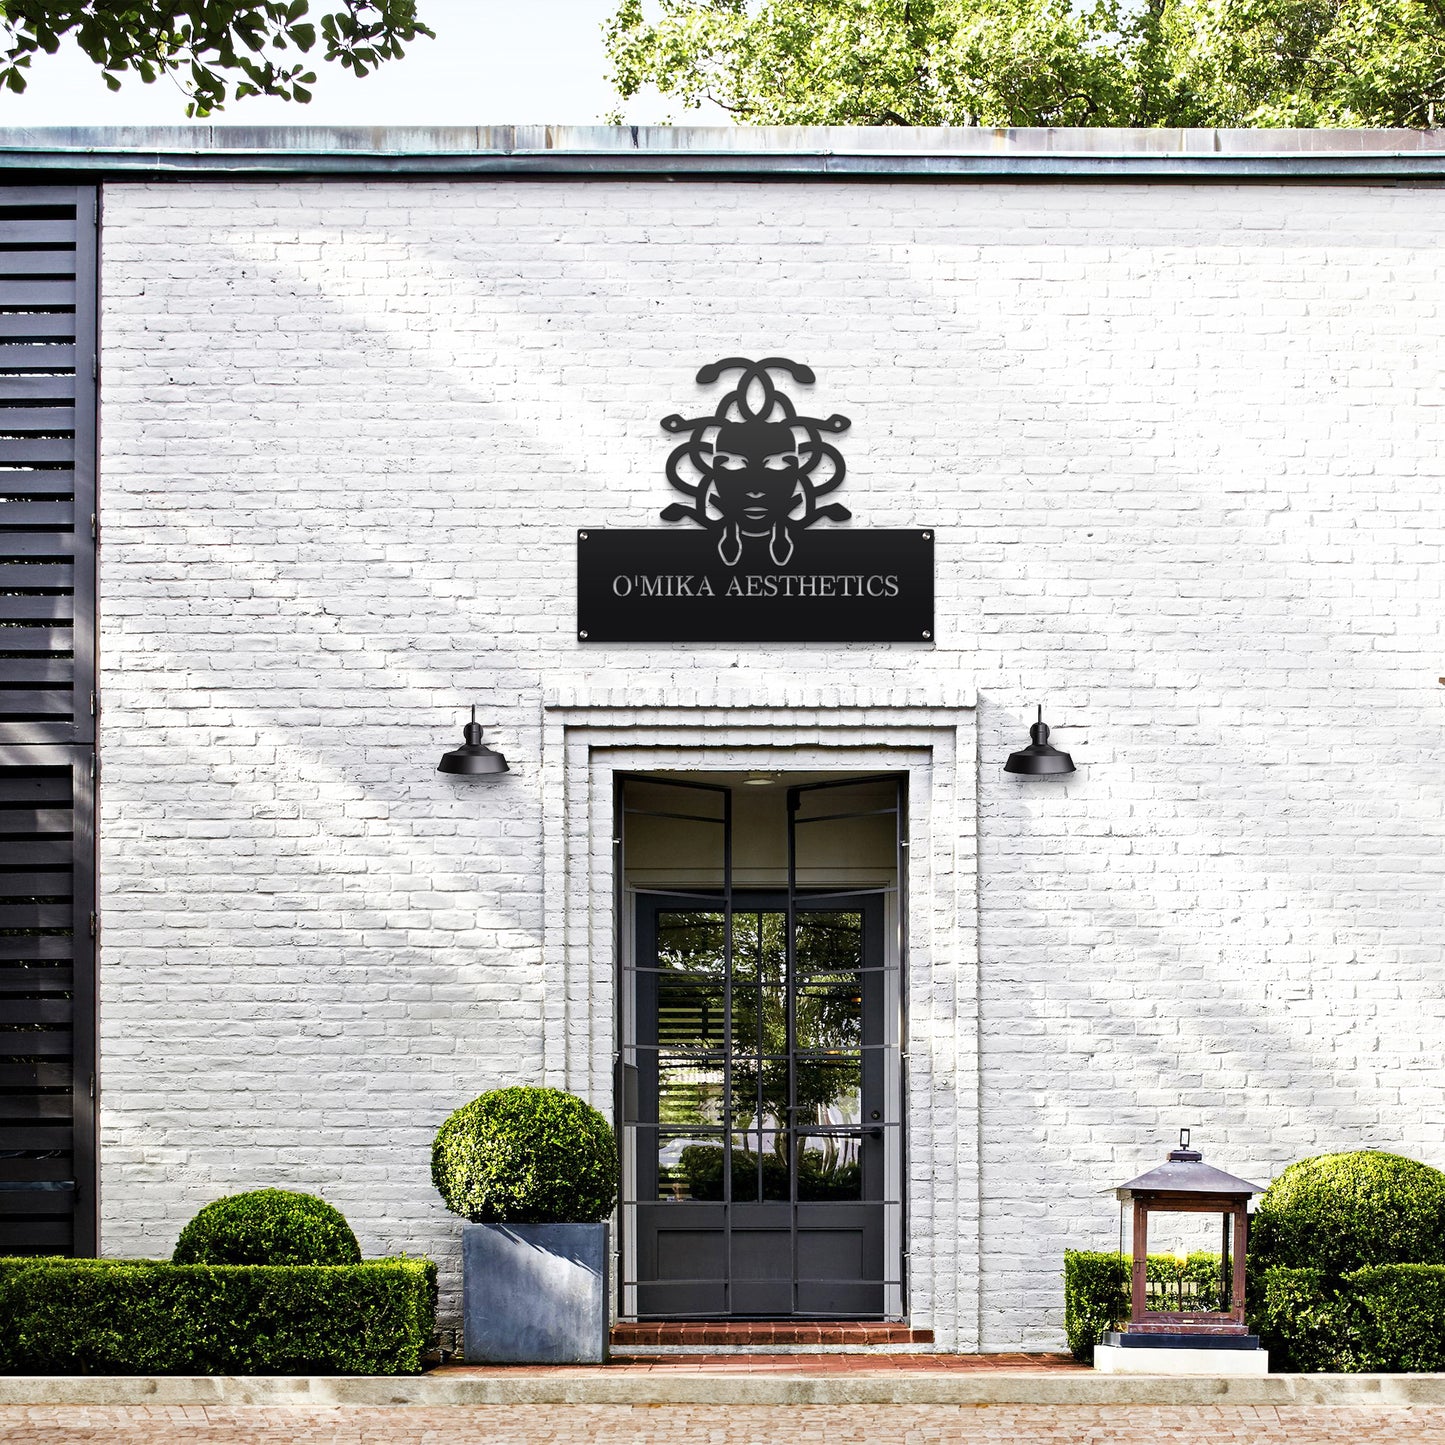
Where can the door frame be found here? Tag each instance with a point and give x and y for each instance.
(770, 720)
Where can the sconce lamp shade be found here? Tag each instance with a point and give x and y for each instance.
(1039, 759)
(473, 758)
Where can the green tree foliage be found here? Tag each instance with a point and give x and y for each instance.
(218, 50)
(1039, 62)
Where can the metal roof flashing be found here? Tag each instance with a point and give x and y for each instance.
(815, 153)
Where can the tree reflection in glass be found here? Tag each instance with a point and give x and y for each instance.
(821, 1061)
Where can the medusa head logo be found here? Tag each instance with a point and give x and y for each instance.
(755, 468)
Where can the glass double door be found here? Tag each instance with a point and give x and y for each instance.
(760, 1138)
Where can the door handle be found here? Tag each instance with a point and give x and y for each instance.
(876, 1132)
(626, 1091)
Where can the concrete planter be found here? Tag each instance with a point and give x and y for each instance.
(534, 1294)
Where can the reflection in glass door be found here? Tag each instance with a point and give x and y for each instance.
(760, 1120)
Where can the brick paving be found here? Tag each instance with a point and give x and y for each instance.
(716, 1424)
(768, 1332)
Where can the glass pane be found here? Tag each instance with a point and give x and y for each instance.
(829, 942)
(829, 1091)
(773, 1166)
(690, 1014)
(745, 947)
(747, 1005)
(689, 1092)
(760, 948)
(1182, 1284)
(760, 1093)
(760, 1019)
(829, 1014)
(745, 1168)
(828, 1167)
(848, 834)
(691, 942)
(747, 1103)
(674, 834)
(646, 797)
(689, 1166)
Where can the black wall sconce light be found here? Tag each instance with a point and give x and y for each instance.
(473, 759)
(1039, 759)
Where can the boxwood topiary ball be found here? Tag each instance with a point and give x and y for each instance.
(526, 1156)
(1340, 1212)
(268, 1226)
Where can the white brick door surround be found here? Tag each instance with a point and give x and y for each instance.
(589, 734)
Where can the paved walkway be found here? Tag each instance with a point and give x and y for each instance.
(725, 1425)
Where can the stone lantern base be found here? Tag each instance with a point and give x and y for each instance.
(1124, 1354)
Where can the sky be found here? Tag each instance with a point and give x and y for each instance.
(494, 62)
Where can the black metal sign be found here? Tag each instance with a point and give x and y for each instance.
(754, 474)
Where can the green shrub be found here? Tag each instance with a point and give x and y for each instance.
(526, 1156)
(1399, 1317)
(1096, 1298)
(1299, 1320)
(141, 1317)
(1096, 1290)
(268, 1226)
(1340, 1212)
(1381, 1319)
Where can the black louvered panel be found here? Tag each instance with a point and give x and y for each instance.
(47, 726)
(46, 1001)
(47, 465)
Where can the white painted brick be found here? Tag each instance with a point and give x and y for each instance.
(1181, 446)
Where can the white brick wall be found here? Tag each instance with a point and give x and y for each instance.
(1181, 446)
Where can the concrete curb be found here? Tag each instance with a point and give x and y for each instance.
(587, 1386)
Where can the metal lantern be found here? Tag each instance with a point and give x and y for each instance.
(1187, 1185)
(1039, 759)
(473, 759)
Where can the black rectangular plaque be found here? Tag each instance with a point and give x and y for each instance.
(671, 585)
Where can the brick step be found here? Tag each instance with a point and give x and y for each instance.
(767, 1332)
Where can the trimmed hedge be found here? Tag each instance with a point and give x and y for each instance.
(268, 1226)
(1296, 1314)
(1341, 1212)
(1381, 1319)
(1096, 1298)
(151, 1317)
(526, 1156)
(1096, 1290)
